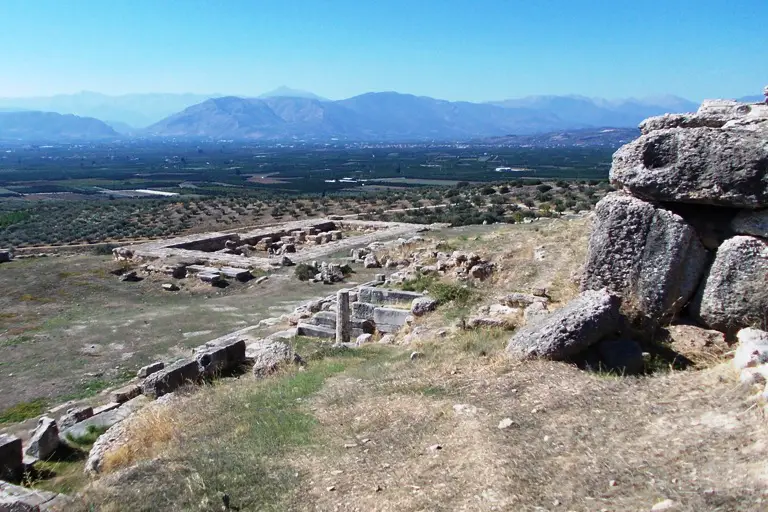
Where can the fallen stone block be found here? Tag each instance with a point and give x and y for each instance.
(146, 371)
(478, 322)
(209, 277)
(241, 274)
(171, 378)
(170, 287)
(125, 393)
(521, 300)
(105, 408)
(423, 305)
(11, 458)
(315, 331)
(5, 255)
(224, 357)
(74, 416)
(44, 440)
(390, 320)
(268, 355)
(584, 321)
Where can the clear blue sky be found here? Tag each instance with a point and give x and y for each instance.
(473, 50)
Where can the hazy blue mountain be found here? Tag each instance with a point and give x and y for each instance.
(600, 112)
(395, 116)
(50, 126)
(752, 99)
(229, 117)
(136, 110)
(286, 92)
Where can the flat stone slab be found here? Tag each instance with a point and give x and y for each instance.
(241, 274)
(171, 378)
(105, 419)
(125, 393)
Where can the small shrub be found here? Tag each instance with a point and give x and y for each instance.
(449, 292)
(305, 272)
(92, 432)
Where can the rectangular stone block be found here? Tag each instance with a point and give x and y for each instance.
(241, 274)
(221, 358)
(74, 416)
(171, 378)
(380, 296)
(146, 371)
(125, 393)
(363, 310)
(209, 277)
(315, 331)
(389, 320)
(11, 466)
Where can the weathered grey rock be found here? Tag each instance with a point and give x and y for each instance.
(584, 321)
(697, 165)
(666, 121)
(364, 338)
(423, 305)
(752, 350)
(125, 393)
(387, 339)
(481, 271)
(209, 277)
(389, 320)
(14, 498)
(753, 223)
(371, 261)
(521, 300)
(535, 312)
(170, 287)
(649, 255)
(477, 322)
(171, 378)
(11, 457)
(621, 355)
(146, 371)
(734, 292)
(44, 440)
(225, 356)
(74, 416)
(268, 355)
(5, 255)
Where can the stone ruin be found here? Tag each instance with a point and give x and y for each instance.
(685, 237)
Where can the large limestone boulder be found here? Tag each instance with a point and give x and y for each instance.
(696, 165)
(649, 255)
(45, 439)
(587, 319)
(734, 293)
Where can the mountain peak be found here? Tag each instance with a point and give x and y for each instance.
(286, 92)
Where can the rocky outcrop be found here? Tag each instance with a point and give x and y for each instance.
(586, 320)
(423, 305)
(690, 188)
(649, 255)
(734, 293)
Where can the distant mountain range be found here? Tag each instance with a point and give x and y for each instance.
(49, 126)
(295, 114)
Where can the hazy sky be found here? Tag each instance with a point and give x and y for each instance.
(470, 50)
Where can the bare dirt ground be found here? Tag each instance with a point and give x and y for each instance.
(69, 328)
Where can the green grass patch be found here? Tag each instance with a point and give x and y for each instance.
(15, 341)
(88, 389)
(23, 411)
(92, 432)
